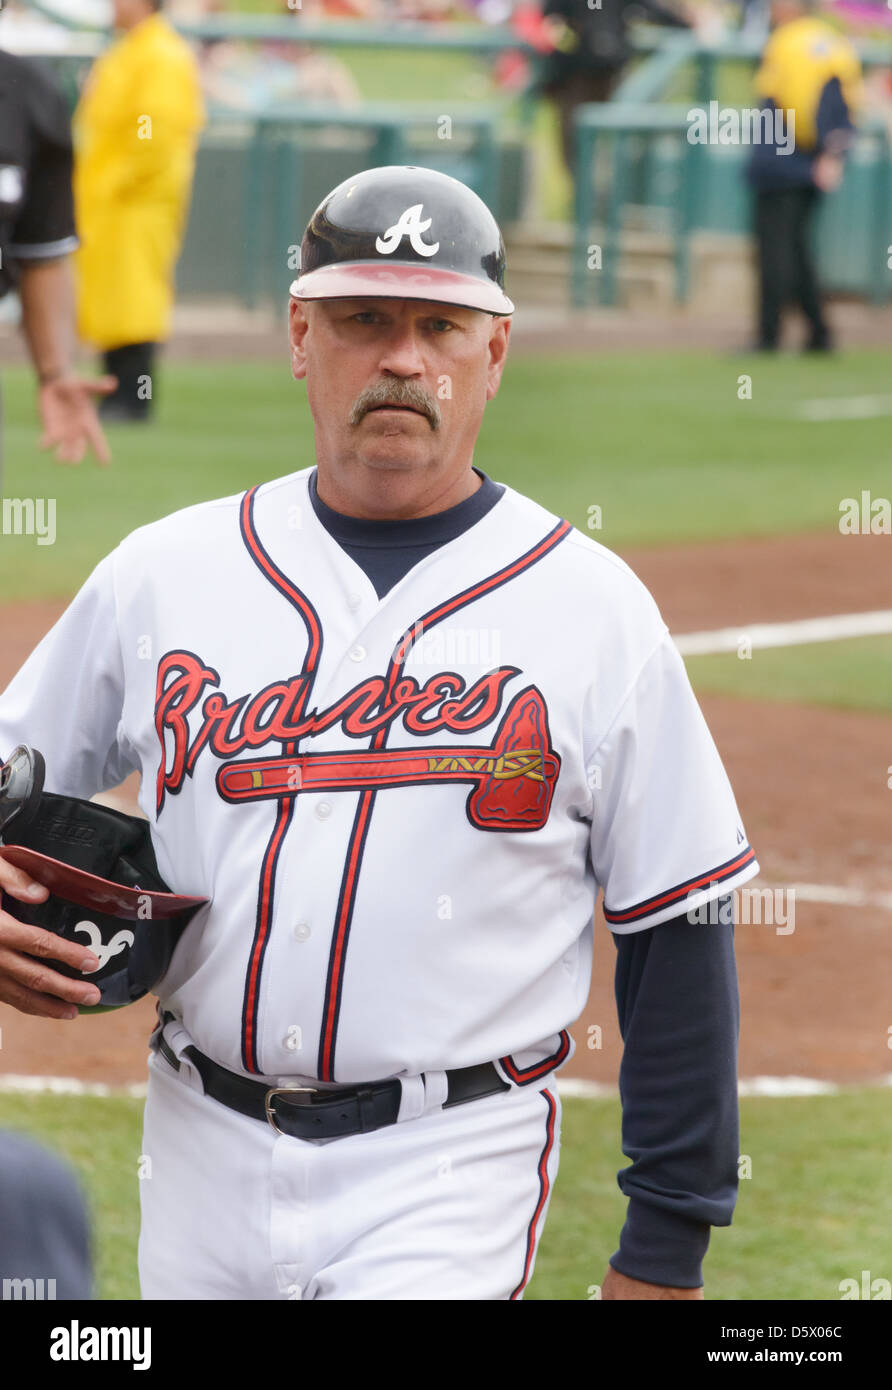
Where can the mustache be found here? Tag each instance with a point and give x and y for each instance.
(402, 393)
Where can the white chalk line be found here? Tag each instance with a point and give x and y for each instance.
(571, 1087)
(574, 1088)
(838, 895)
(834, 894)
(67, 1086)
(836, 627)
(844, 408)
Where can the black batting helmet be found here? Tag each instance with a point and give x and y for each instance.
(105, 889)
(401, 232)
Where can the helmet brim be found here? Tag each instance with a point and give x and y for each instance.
(401, 280)
(97, 894)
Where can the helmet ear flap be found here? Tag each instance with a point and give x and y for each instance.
(21, 786)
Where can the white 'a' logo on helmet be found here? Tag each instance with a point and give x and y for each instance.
(102, 952)
(410, 225)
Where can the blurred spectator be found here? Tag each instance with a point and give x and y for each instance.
(810, 79)
(592, 49)
(136, 130)
(251, 78)
(512, 69)
(36, 237)
(44, 1234)
(863, 16)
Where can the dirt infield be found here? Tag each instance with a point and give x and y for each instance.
(811, 785)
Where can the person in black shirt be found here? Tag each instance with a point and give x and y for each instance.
(592, 50)
(37, 232)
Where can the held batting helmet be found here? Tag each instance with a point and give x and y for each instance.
(105, 890)
(401, 232)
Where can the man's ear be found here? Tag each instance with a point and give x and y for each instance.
(498, 352)
(298, 323)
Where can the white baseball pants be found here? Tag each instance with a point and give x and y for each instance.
(449, 1204)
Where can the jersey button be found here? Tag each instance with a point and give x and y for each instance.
(357, 653)
(302, 931)
(353, 602)
(323, 810)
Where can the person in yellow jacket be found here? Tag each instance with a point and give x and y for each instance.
(136, 129)
(809, 81)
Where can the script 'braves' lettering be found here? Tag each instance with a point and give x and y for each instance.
(278, 713)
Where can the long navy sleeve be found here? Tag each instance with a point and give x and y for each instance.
(678, 1008)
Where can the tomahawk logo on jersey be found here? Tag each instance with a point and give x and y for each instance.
(513, 778)
(403, 855)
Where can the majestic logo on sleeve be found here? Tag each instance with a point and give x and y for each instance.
(410, 225)
(512, 779)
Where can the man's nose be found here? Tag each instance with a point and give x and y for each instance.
(401, 353)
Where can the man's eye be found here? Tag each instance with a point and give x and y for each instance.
(442, 325)
(365, 316)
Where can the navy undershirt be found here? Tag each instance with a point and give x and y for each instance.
(387, 550)
(676, 999)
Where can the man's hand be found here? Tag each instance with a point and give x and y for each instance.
(67, 402)
(30, 985)
(620, 1286)
(71, 425)
(827, 172)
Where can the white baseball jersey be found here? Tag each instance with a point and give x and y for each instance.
(401, 809)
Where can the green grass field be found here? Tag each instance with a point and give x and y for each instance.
(659, 442)
(814, 1212)
(851, 674)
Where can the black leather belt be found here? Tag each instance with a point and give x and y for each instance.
(305, 1112)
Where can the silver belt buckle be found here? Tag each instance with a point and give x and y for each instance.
(281, 1091)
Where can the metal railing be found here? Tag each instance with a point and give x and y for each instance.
(610, 126)
(637, 111)
(607, 131)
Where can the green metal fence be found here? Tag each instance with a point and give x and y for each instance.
(640, 156)
(633, 152)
